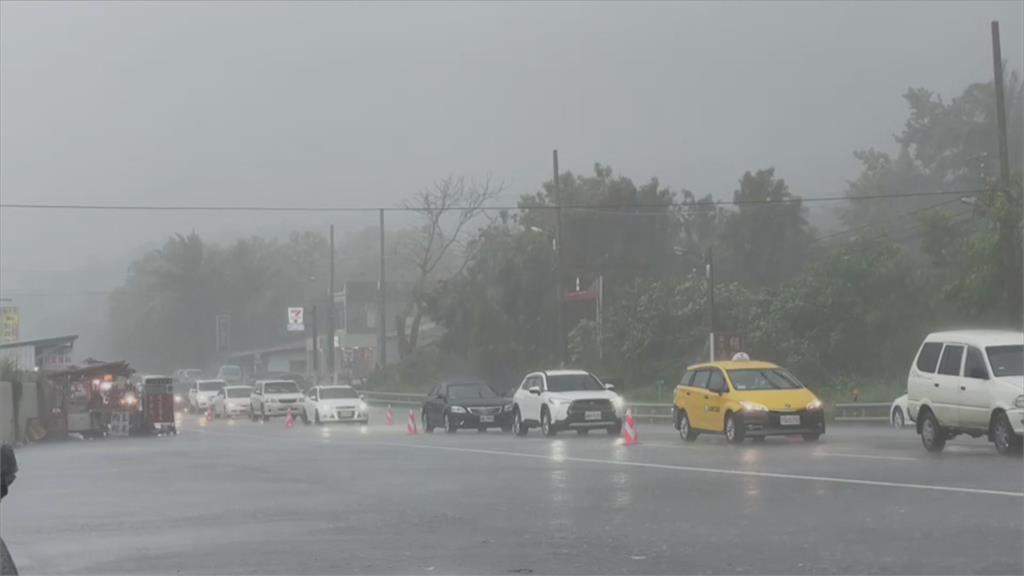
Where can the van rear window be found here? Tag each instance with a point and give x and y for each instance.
(928, 357)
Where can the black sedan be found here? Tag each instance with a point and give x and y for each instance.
(465, 404)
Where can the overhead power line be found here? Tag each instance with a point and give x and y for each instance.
(619, 206)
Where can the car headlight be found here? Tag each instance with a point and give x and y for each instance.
(177, 398)
(558, 401)
(753, 407)
(457, 410)
(1019, 401)
(814, 404)
(271, 400)
(617, 402)
(507, 408)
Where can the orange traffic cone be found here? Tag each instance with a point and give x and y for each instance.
(410, 429)
(629, 430)
(389, 417)
(290, 422)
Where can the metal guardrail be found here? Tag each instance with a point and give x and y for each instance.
(662, 411)
(644, 411)
(862, 411)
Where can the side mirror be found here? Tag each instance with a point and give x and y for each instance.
(609, 386)
(534, 390)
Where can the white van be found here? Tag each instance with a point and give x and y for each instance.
(969, 382)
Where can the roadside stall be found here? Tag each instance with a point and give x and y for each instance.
(85, 398)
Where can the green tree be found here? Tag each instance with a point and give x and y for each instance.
(767, 238)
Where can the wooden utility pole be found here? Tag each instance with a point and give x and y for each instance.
(1004, 153)
(561, 342)
(709, 270)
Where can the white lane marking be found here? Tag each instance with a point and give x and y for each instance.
(870, 456)
(725, 471)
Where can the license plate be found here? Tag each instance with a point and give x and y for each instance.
(789, 420)
(592, 415)
(345, 414)
(487, 418)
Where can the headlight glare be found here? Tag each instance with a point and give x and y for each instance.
(457, 410)
(814, 404)
(753, 407)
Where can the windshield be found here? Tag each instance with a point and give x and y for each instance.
(572, 383)
(239, 392)
(1006, 360)
(332, 393)
(210, 385)
(192, 374)
(280, 388)
(743, 380)
(230, 371)
(470, 391)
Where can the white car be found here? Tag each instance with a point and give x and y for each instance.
(202, 393)
(231, 401)
(558, 400)
(334, 404)
(898, 412)
(275, 398)
(969, 382)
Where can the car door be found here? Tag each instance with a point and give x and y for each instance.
(921, 376)
(946, 384)
(693, 397)
(529, 407)
(974, 393)
(714, 400)
(436, 405)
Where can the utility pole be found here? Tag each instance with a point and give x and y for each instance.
(382, 338)
(1004, 153)
(560, 330)
(1012, 250)
(330, 317)
(316, 344)
(709, 269)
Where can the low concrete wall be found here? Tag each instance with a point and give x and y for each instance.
(27, 409)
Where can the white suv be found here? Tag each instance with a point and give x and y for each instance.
(565, 400)
(275, 398)
(968, 382)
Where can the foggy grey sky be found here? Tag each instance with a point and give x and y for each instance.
(347, 104)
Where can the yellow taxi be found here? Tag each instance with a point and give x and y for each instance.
(745, 398)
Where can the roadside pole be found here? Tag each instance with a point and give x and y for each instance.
(382, 340)
(560, 291)
(709, 270)
(331, 328)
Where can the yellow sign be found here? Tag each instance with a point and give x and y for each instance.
(10, 324)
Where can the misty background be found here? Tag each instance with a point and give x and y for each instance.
(323, 104)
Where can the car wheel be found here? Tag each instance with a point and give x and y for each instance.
(519, 428)
(932, 435)
(545, 423)
(425, 420)
(305, 417)
(686, 431)
(582, 431)
(449, 426)
(482, 429)
(813, 437)
(263, 414)
(615, 430)
(506, 428)
(316, 416)
(898, 421)
(733, 429)
(1003, 436)
(760, 439)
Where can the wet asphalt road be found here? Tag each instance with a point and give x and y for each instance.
(241, 497)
